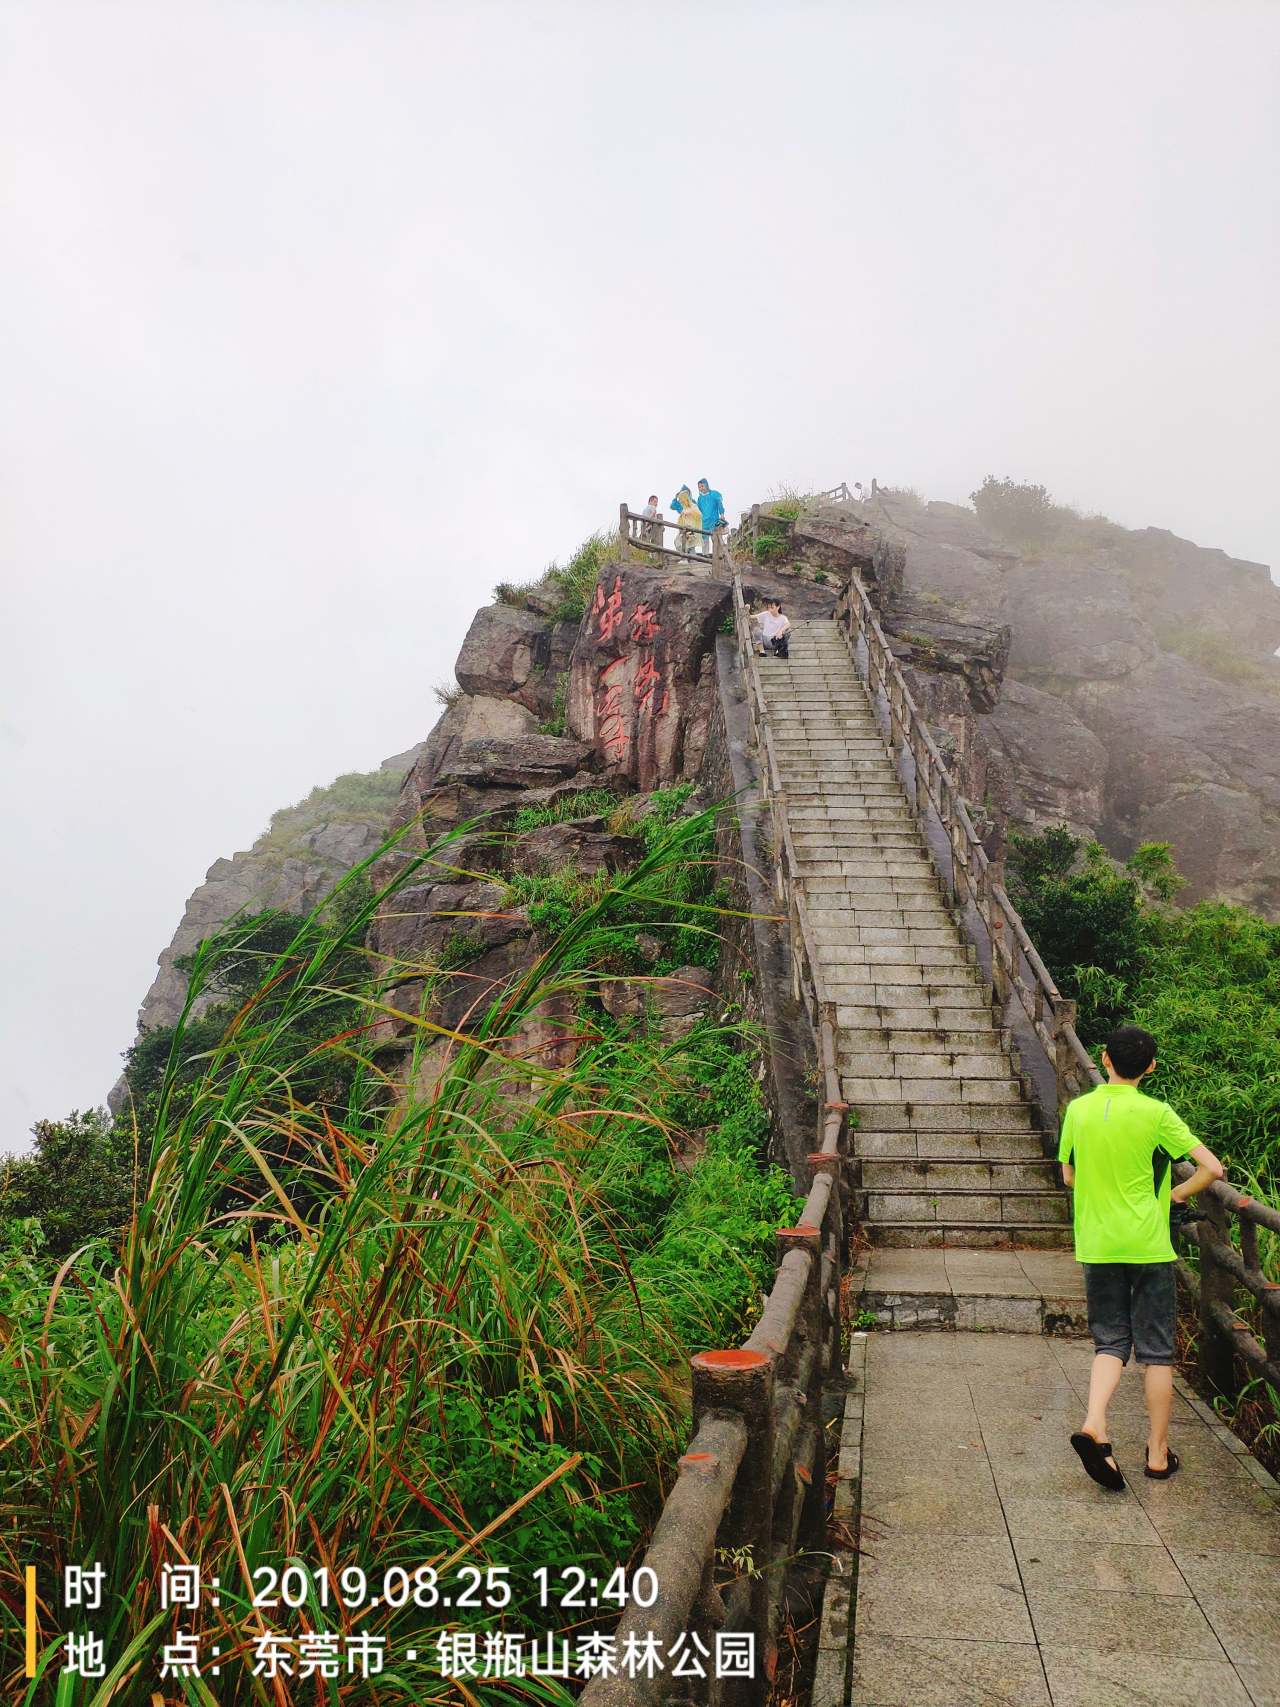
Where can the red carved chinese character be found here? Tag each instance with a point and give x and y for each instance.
(644, 624)
(647, 678)
(609, 611)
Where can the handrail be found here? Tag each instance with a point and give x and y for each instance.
(753, 1480)
(977, 881)
(639, 532)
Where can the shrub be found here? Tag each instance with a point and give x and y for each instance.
(1017, 511)
(448, 694)
(769, 545)
(555, 724)
(76, 1184)
(1204, 980)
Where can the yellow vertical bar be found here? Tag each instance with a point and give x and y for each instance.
(31, 1620)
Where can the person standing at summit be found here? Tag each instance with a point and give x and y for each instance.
(710, 507)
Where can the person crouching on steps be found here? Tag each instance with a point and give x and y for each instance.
(1117, 1150)
(775, 630)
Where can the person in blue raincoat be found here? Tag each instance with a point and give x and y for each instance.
(711, 507)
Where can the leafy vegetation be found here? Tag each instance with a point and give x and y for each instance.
(678, 908)
(564, 590)
(472, 1346)
(582, 803)
(358, 797)
(76, 1184)
(1217, 656)
(768, 545)
(1204, 980)
(555, 724)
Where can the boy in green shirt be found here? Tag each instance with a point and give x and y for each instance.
(1116, 1150)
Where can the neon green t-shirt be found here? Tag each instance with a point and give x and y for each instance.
(1111, 1135)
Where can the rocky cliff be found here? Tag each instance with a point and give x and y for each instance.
(302, 853)
(1140, 697)
(1125, 686)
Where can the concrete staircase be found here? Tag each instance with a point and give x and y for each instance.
(946, 1149)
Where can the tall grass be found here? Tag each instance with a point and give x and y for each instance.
(445, 1324)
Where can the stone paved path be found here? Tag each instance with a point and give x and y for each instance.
(992, 1571)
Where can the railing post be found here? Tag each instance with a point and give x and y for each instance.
(741, 1382)
(624, 530)
(1064, 1019)
(1216, 1352)
(717, 548)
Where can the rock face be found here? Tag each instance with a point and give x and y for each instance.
(290, 867)
(642, 674)
(1108, 717)
(515, 655)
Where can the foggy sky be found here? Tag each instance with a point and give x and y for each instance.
(320, 317)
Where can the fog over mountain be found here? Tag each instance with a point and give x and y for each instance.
(319, 321)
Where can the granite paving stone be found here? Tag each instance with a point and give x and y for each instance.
(994, 1572)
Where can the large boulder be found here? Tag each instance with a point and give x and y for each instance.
(642, 679)
(676, 1002)
(585, 843)
(516, 655)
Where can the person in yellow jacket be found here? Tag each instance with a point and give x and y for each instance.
(689, 516)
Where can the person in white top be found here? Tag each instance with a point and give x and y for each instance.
(652, 520)
(859, 496)
(775, 629)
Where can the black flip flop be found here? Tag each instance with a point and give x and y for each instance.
(1093, 1454)
(1162, 1475)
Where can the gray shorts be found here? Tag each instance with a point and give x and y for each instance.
(1132, 1308)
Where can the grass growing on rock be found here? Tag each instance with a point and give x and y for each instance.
(454, 1328)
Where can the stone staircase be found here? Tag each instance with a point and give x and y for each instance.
(946, 1150)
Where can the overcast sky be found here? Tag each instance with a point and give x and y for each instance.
(320, 317)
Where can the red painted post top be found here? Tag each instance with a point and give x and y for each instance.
(806, 1229)
(712, 1360)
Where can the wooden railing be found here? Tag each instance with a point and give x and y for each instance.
(751, 1488)
(638, 532)
(975, 881)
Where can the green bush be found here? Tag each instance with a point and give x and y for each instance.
(1016, 510)
(769, 545)
(1204, 980)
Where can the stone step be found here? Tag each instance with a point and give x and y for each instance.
(920, 1117)
(992, 1235)
(857, 934)
(862, 901)
(982, 1174)
(955, 1206)
(870, 869)
(862, 898)
(940, 1066)
(847, 954)
(834, 819)
(926, 1018)
(897, 975)
(948, 1146)
(845, 843)
(946, 1040)
(869, 907)
(919, 1092)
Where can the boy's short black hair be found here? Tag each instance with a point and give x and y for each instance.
(1131, 1049)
